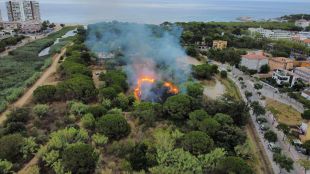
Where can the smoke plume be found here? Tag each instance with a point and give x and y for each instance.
(149, 50)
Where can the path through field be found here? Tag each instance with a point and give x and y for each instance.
(28, 94)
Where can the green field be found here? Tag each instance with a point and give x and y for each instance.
(22, 67)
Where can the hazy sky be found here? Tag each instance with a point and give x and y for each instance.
(157, 11)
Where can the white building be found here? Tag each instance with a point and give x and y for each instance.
(31, 11)
(14, 10)
(306, 94)
(272, 34)
(302, 23)
(281, 34)
(281, 77)
(303, 73)
(23, 10)
(254, 60)
(261, 31)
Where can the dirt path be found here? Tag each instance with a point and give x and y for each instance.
(265, 166)
(28, 94)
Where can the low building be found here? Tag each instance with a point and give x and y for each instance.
(305, 63)
(254, 60)
(302, 23)
(281, 76)
(281, 34)
(306, 94)
(11, 25)
(281, 63)
(31, 27)
(303, 73)
(271, 34)
(307, 42)
(219, 44)
(261, 31)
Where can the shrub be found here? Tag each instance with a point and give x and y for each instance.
(79, 158)
(88, 121)
(18, 115)
(113, 126)
(99, 139)
(107, 93)
(197, 142)
(121, 101)
(306, 115)
(78, 108)
(195, 90)
(41, 110)
(179, 106)
(224, 74)
(5, 167)
(44, 94)
(97, 110)
(11, 147)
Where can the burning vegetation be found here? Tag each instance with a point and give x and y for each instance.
(154, 88)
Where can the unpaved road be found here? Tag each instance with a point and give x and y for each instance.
(28, 94)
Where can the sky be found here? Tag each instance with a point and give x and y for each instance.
(157, 11)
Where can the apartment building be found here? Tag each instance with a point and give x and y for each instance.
(303, 73)
(14, 10)
(31, 11)
(272, 34)
(23, 11)
(219, 44)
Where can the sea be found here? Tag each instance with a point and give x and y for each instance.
(158, 11)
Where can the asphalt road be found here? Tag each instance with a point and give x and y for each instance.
(287, 149)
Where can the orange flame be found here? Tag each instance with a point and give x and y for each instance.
(172, 88)
(137, 91)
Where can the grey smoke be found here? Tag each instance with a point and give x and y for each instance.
(148, 49)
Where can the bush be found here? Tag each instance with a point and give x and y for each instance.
(179, 106)
(270, 136)
(306, 115)
(88, 121)
(99, 139)
(79, 158)
(78, 108)
(224, 74)
(18, 115)
(97, 110)
(11, 147)
(121, 101)
(195, 90)
(113, 126)
(44, 94)
(5, 167)
(41, 110)
(79, 87)
(197, 143)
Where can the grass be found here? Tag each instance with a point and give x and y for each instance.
(231, 88)
(21, 67)
(284, 113)
(255, 162)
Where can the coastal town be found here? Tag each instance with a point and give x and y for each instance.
(226, 97)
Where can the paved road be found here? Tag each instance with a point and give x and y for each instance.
(285, 146)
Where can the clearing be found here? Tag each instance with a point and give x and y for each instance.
(284, 113)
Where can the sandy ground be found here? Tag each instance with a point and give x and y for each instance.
(28, 94)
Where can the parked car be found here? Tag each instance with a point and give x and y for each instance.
(273, 147)
(261, 120)
(298, 146)
(264, 127)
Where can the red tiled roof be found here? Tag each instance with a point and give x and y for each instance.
(255, 55)
(307, 41)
